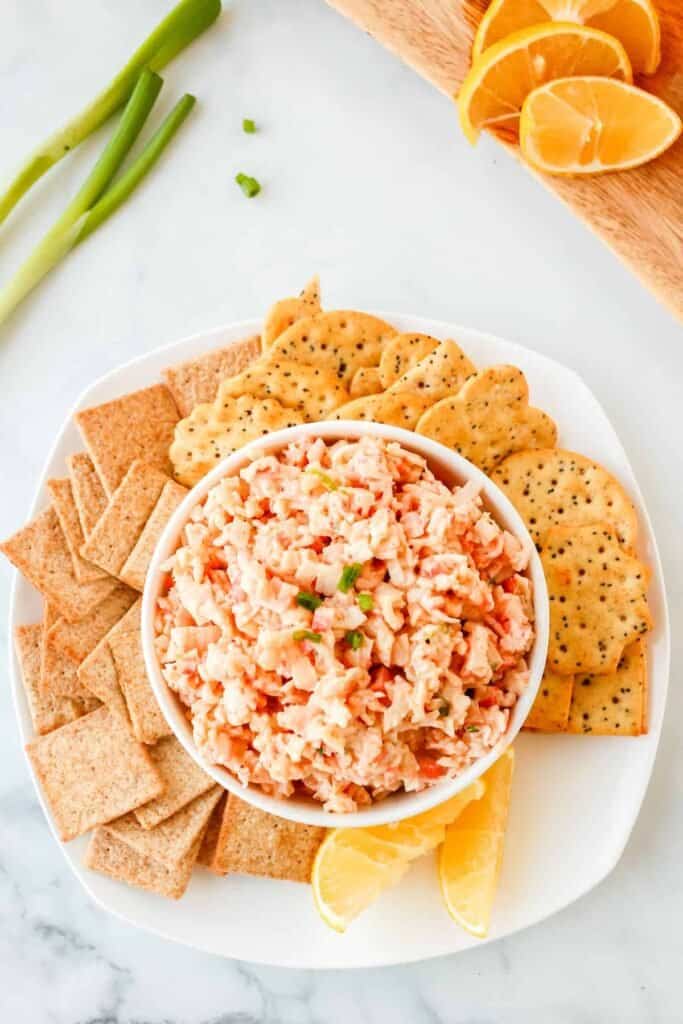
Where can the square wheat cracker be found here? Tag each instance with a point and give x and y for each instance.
(129, 508)
(92, 771)
(172, 840)
(62, 497)
(40, 552)
(196, 381)
(147, 720)
(135, 569)
(47, 711)
(183, 778)
(207, 851)
(78, 639)
(59, 676)
(89, 495)
(614, 704)
(135, 426)
(99, 676)
(108, 855)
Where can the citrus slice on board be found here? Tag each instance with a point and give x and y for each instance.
(355, 865)
(592, 125)
(634, 22)
(500, 80)
(472, 852)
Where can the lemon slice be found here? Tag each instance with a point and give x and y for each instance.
(633, 22)
(354, 865)
(472, 852)
(592, 125)
(501, 79)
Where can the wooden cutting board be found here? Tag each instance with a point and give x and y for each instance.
(639, 213)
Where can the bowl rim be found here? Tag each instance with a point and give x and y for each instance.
(399, 805)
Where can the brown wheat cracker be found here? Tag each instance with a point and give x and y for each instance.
(77, 639)
(285, 312)
(136, 565)
(598, 598)
(614, 704)
(196, 381)
(394, 410)
(92, 771)
(489, 418)
(40, 552)
(135, 426)
(253, 842)
(341, 341)
(439, 375)
(89, 495)
(62, 497)
(314, 391)
(365, 381)
(59, 676)
(99, 676)
(207, 851)
(183, 778)
(402, 354)
(47, 711)
(211, 433)
(129, 508)
(172, 840)
(147, 720)
(553, 487)
(109, 856)
(550, 710)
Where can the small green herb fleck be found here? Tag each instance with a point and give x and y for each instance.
(248, 126)
(471, 728)
(307, 599)
(307, 634)
(354, 639)
(366, 602)
(250, 186)
(329, 482)
(349, 575)
(320, 750)
(445, 708)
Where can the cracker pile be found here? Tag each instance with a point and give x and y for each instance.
(103, 752)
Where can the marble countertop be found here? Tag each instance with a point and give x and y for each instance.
(367, 181)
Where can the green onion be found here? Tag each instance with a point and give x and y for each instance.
(306, 634)
(248, 126)
(471, 728)
(444, 709)
(71, 226)
(354, 639)
(180, 27)
(329, 482)
(307, 599)
(349, 576)
(250, 186)
(366, 602)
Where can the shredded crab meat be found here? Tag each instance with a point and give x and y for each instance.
(342, 624)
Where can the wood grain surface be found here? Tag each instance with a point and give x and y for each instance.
(639, 213)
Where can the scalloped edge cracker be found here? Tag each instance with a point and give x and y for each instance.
(286, 312)
(439, 375)
(135, 426)
(614, 704)
(365, 381)
(550, 710)
(395, 410)
(196, 381)
(598, 599)
(402, 354)
(342, 341)
(555, 487)
(489, 419)
(92, 771)
(211, 433)
(314, 391)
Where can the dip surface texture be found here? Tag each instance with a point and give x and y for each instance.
(340, 623)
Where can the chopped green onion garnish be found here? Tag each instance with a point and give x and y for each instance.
(349, 576)
(471, 728)
(249, 186)
(248, 126)
(329, 482)
(307, 599)
(354, 639)
(444, 709)
(365, 602)
(306, 634)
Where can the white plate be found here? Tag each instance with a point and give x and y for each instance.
(575, 799)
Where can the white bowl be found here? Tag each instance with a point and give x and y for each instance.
(449, 467)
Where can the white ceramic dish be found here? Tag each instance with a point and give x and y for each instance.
(575, 799)
(449, 467)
